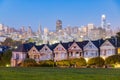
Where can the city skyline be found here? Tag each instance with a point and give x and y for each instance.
(33, 13)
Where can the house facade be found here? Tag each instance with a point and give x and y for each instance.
(46, 53)
(39, 53)
(18, 56)
(75, 51)
(64, 51)
(90, 50)
(33, 53)
(60, 52)
(107, 49)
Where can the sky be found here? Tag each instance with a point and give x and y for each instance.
(18, 13)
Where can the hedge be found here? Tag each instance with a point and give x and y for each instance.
(96, 62)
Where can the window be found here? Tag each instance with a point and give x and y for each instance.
(86, 53)
(74, 46)
(35, 56)
(17, 56)
(45, 49)
(90, 46)
(77, 52)
(80, 53)
(34, 51)
(71, 53)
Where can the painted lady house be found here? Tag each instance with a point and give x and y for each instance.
(60, 52)
(91, 49)
(46, 52)
(107, 48)
(34, 53)
(40, 53)
(75, 50)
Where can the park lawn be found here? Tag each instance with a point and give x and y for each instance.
(39, 73)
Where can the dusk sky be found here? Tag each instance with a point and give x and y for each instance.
(17, 13)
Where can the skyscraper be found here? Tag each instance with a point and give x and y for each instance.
(103, 21)
(58, 25)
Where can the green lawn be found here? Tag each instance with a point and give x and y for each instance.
(58, 74)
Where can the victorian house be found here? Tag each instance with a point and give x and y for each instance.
(60, 52)
(42, 52)
(107, 48)
(75, 50)
(34, 53)
(46, 52)
(91, 49)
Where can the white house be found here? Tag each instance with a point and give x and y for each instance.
(107, 49)
(91, 50)
(18, 56)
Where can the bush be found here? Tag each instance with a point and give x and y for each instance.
(96, 62)
(78, 62)
(63, 63)
(112, 59)
(47, 63)
(29, 63)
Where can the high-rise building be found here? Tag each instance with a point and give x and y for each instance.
(58, 25)
(103, 21)
(39, 30)
(1, 27)
(29, 32)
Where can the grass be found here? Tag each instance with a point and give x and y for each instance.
(58, 74)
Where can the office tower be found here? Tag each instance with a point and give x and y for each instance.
(23, 29)
(39, 30)
(45, 37)
(58, 25)
(1, 27)
(103, 21)
(29, 32)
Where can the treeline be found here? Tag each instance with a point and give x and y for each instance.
(96, 62)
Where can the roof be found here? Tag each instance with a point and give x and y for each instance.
(24, 47)
(53, 46)
(65, 45)
(39, 47)
(98, 43)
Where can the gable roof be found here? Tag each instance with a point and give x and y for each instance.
(24, 47)
(52, 47)
(98, 43)
(65, 45)
(39, 47)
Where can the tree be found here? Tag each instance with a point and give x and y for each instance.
(118, 34)
(8, 42)
(63, 63)
(112, 59)
(28, 63)
(47, 63)
(6, 58)
(78, 62)
(97, 62)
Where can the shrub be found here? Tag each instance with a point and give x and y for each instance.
(29, 63)
(112, 59)
(96, 62)
(47, 63)
(63, 63)
(78, 62)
